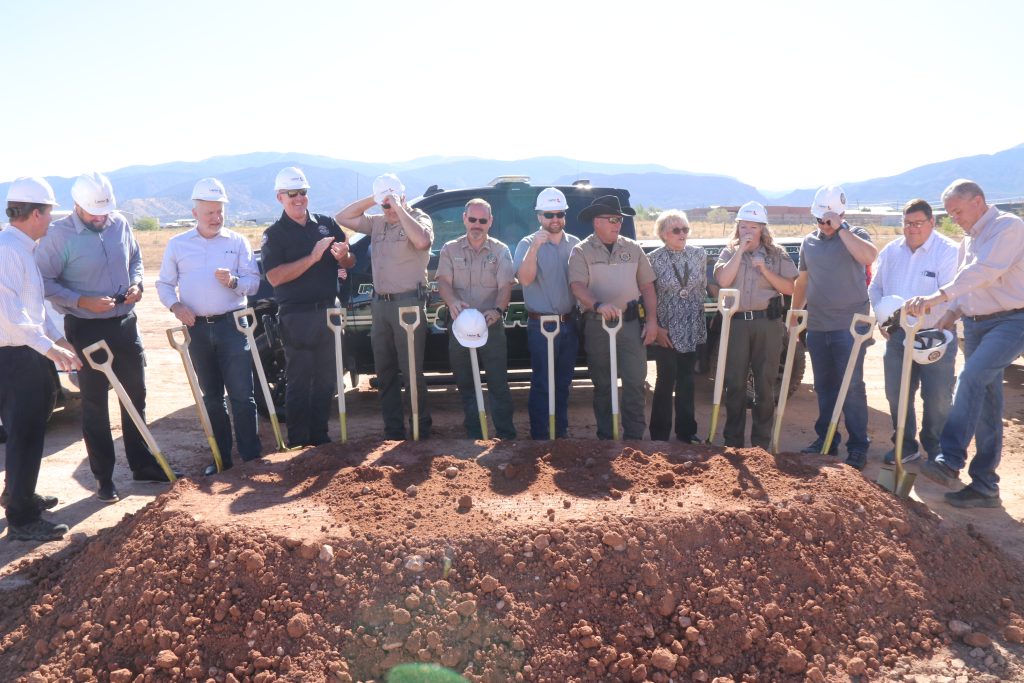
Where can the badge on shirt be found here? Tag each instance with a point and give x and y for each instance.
(492, 259)
(324, 231)
(401, 232)
(625, 256)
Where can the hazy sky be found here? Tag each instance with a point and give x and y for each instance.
(777, 94)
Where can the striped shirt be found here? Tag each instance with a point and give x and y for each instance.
(187, 272)
(23, 320)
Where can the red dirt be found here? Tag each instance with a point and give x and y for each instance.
(591, 561)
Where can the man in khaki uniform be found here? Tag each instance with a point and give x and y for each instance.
(475, 271)
(400, 246)
(607, 274)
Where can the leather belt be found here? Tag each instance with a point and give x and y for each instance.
(397, 296)
(997, 314)
(565, 317)
(209, 319)
(312, 306)
(750, 315)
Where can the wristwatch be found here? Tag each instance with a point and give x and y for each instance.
(501, 312)
(233, 282)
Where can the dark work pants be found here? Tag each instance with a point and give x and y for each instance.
(24, 385)
(631, 355)
(674, 375)
(754, 346)
(129, 364)
(220, 354)
(391, 356)
(310, 373)
(492, 358)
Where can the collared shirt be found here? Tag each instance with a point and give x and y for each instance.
(837, 285)
(755, 290)
(613, 277)
(549, 292)
(681, 282)
(76, 261)
(476, 275)
(398, 266)
(902, 272)
(990, 278)
(23, 319)
(190, 262)
(286, 241)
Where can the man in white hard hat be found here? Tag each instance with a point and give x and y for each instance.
(542, 265)
(302, 254)
(28, 342)
(92, 269)
(474, 272)
(833, 285)
(915, 265)
(207, 273)
(400, 243)
(987, 293)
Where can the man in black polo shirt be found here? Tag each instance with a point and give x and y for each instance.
(302, 253)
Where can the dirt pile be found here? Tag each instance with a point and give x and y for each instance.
(592, 561)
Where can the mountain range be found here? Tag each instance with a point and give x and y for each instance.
(163, 190)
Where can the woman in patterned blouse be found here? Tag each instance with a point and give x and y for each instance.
(681, 284)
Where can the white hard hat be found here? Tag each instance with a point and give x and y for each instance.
(828, 198)
(888, 307)
(291, 178)
(470, 328)
(32, 191)
(387, 184)
(930, 345)
(753, 212)
(551, 199)
(210, 190)
(94, 193)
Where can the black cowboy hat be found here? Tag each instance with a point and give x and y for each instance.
(606, 205)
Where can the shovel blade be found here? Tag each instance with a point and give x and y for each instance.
(905, 485)
(887, 479)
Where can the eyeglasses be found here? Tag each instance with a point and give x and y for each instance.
(915, 224)
(826, 222)
(385, 206)
(554, 214)
(679, 231)
(611, 219)
(295, 193)
(481, 221)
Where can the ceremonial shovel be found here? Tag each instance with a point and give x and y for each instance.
(796, 322)
(338, 327)
(613, 331)
(479, 392)
(410, 335)
(107, 369)
(197, 392)
(858, 340)
(557, 320)
(723, 350)
(248, 331)
(898, 480)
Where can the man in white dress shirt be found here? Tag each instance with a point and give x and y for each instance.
(206, 275)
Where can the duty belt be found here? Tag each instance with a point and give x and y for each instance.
(564, 317)
(751, 315)
(311, 306)
(397, 296)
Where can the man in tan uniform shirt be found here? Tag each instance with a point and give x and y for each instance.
(475, 271)
(400, 245)
(607, 274)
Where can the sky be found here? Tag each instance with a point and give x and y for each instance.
(777, 94)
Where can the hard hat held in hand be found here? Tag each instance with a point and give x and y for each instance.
(94, 193)
(210, 190)
(828, 199)
(887, 309)
(551, 199)
(753, 212)
(470, 328)
(31, 190)
(290, 178)
(930, 345)
(387, 184)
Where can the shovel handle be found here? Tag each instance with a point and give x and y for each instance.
(339, 315)
(550, 336)
(90, 355)
(338, 327)
(611, 329)
(796, 320)
(197, 392)
(726, 295)
(861, 320)
(410, 328)
(249, 315)
(406, 310)
(545, 319)
(182, 345)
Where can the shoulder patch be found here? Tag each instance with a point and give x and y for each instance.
(324, 230)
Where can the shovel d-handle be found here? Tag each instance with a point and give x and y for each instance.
(410, 337)
(613, 331)
(248, 329)
(550, 336)
(197, 393)
(796, 322)
(336, 321)
(861, 328)
(107, 368)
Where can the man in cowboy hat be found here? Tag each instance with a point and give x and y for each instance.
(607, 274)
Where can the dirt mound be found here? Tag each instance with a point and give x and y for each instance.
(589, 561)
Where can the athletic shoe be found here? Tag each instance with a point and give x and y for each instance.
(42, 502)
(211, 469)
(39, 530)
(106, 493)
(890, 457)
(856, 459)
(940, 474)
(815, 448)
(969, 498)
(154, 476)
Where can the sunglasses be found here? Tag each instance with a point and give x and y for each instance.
(611, 219)
(385, 206)
(295, 193)
(679, 231)
(481, 221)
(821, 222)
(554, 214)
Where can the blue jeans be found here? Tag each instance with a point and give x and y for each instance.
(989, 346)
(567, 347)
(220, 354)
(830, 352)
(936, 383)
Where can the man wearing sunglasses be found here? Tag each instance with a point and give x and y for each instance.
(302, 253)
(400, 247)
(475, 271)
(542, 266)
(833, 285)
(608, 273)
